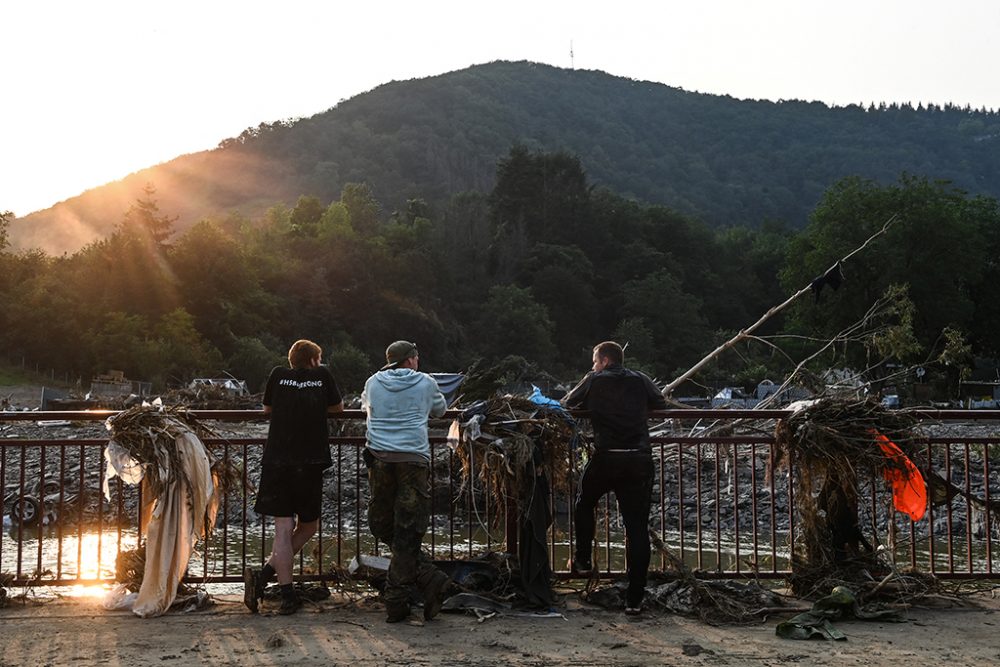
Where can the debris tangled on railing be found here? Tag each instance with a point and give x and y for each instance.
(497, 446)
(509, 374)
(182, 484)
(833, 445)
(148, 436)
(519, 451)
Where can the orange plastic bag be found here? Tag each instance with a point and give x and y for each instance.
(909, 491)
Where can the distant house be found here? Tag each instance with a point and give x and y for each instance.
(114, 384)
(787, 395)
(980, 394)
(232, 385)
(733, 397)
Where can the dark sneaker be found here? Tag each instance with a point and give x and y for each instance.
(396, 614)
(581, 567)
(251, 582)
(633, 611)
(289, 605)
(434, 596)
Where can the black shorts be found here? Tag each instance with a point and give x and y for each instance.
(287, 491)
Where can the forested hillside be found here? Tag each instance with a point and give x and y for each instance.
(541, 267)
(723, 161)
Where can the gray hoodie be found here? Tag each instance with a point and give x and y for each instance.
(398, 402)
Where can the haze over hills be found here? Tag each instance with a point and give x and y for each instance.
(725, 161)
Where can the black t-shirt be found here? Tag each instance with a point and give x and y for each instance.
(299, 400)
(619, 401)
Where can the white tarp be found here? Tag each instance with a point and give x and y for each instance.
(173, 522)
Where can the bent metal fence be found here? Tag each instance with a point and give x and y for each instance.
(718, 501)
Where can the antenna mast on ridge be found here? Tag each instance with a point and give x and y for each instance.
(571, 65)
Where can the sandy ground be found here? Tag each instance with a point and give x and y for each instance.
(79, 632)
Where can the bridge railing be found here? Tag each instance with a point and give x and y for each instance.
(719, 501)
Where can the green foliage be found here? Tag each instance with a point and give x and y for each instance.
(956, 354)
(350, 366)
(179, 351)
(679, 330)
(252, 360)
(144, 221)
(932, 249)
(512, 322)
(724, 161)
(542, 267)
(956, 359)
(896, 340)
(122, 341)
(306, 216)
(636, 337)
(362, 207)
(5, 218)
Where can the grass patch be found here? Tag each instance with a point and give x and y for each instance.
(11, 376)
(15, 375)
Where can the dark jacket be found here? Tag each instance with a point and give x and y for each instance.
(619, 401)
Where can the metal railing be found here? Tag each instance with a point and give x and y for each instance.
(719, 502)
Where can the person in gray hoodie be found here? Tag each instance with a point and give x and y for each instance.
(399, 400)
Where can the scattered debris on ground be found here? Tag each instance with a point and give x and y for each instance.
(5, 580)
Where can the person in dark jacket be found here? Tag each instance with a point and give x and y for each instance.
(619, 401)
(298, 399)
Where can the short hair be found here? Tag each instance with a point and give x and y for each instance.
(611, 351)
(302, 352)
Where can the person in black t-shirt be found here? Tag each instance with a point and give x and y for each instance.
(619, 401)
(299, 400)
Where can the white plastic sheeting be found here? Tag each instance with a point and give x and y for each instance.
(172, 522)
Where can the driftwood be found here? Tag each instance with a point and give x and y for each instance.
(745, 333)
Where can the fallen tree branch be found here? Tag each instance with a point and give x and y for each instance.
(770, 313)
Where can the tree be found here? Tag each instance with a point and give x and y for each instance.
(306, 216)
(672, 315)
(144, 219)
(350, 366)
(538, 198)
(512, 322)
(636, 337)
(252, 360)
(5, 218)
(932, 248)
(122, 341)
(181, 352)
(362, 207)
(219, 286)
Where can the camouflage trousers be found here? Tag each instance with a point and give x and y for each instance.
(398, 512)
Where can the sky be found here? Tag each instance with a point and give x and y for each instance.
(95, 90)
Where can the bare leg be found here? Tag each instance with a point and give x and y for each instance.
(289, 539)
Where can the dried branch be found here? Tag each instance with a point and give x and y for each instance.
(770, 313)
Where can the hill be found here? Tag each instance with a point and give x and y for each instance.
(725, 161)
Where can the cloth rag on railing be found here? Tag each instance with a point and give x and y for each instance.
(172, 522)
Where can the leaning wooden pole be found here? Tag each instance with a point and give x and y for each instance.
(744, 333)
